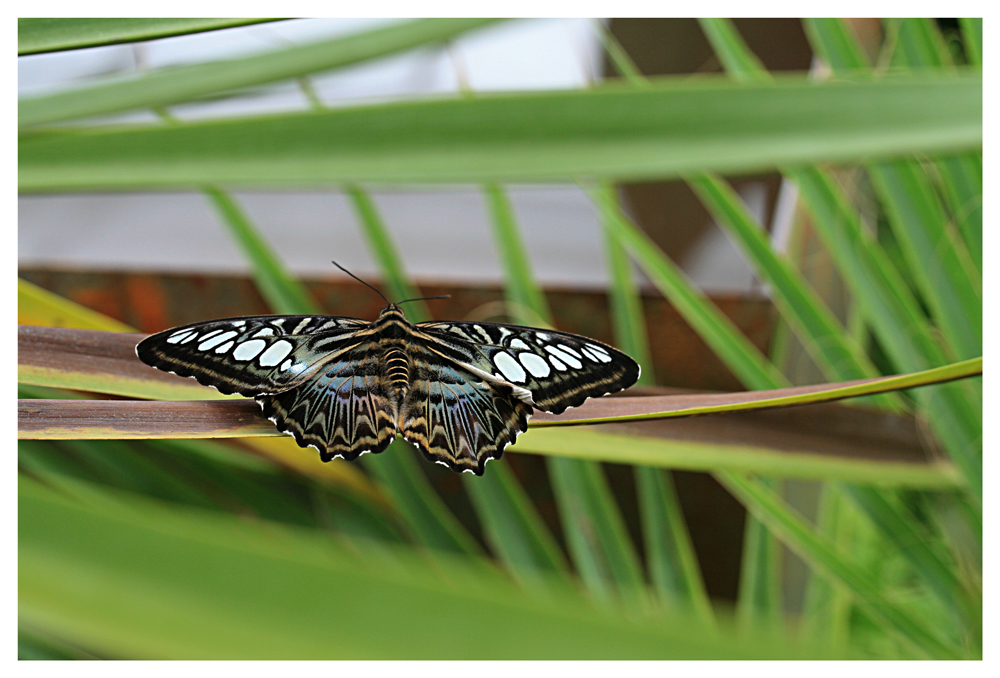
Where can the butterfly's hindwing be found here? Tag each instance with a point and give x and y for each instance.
(251, 355)
(343, 410)
(457, 417)
(558, 369)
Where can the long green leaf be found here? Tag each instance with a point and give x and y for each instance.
(920, 45)
(725, 339)
(822, 335)
(126, 578)
(890, 307)
(670, 556)
(972, 33)
(380, 243)
(820, 553)
(595, 531)
(662, 130)
(283, 293)
(946, 272)
(900, 526)
(54, 34)
(826, 610)
(171, 86)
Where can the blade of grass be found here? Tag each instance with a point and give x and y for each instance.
(760, 602)
(526, 298)
(744, 359)
(901, 526)
(820, 553)
(661, 130)
(822, 335)
(920, 45)
(282, 293)
(595, 531)
(176, 85)
(826, 610)
(38, 306)
(513, 528)
(127, 578)
(948, 277)
(670, 557)
(380, 243)
(972, 36)
(35, 36)
(948, 281)
(893, 312)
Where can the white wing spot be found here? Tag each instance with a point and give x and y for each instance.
(285, 365)
(600, 352)
(543, 336)
(264, 332)
(239, 323)
(225, 347)
(555, 352)
(459, 332)
(277, 352)
(215, 341)
(569, 349)
(517, 343)
(301, 326)
(504, 332)
(193, 335)
(534, 364)
(178, 337)
(510, 367)
(484, 334)
(248, 350)
(210, 334)
(598, 348)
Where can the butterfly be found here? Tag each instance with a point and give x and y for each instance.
(461, 392)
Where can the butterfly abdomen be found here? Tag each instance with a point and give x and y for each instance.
(396, 368)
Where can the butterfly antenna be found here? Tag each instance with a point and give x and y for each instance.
(440, 296)
(360, 280)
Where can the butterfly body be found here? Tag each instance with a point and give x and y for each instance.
(459, 391)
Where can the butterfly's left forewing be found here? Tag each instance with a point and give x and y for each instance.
(252, 355)
(553, 370)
